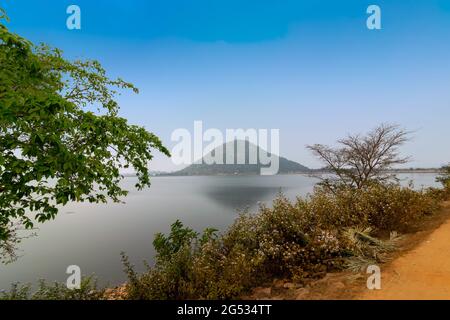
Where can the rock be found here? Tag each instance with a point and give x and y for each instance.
(301, 294)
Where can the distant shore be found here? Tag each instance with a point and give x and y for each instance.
(310, 172)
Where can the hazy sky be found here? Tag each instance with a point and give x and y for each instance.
(309, 68)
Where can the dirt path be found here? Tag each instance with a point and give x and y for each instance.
(423, 273)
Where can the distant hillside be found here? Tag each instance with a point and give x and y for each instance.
(201, 168)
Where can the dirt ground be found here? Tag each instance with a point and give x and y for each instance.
(423, 273)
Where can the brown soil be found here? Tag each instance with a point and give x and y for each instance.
(423, 273)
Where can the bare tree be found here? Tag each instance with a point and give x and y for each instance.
(361, 160)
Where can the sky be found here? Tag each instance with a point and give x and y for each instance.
(311, 69)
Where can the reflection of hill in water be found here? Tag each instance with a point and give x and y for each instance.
(241, 197)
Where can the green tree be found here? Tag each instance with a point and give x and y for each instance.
(61, 138)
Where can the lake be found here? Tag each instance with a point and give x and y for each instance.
(92, 236)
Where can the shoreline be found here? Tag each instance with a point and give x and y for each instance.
(305, 173)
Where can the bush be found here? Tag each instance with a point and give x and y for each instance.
(171, 277)
(339, 209)
(384, 208)
(286, 237)
(395, 208)
(444, 178)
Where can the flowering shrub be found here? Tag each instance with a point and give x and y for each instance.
(286, 237)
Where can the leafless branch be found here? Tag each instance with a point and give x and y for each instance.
(360, 160)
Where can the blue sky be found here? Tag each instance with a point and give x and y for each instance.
(309, 68)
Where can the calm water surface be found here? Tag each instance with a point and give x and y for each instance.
(92, 236)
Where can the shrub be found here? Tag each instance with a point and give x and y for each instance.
(171, 276)
(286, 237)
(396, 208)
(339, 209)
(438, 194)
(444, 178)
(224, 273)
(384, 208)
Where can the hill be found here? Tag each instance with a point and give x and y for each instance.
(202, 168)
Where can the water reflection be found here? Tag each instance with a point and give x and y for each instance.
(238, 198)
